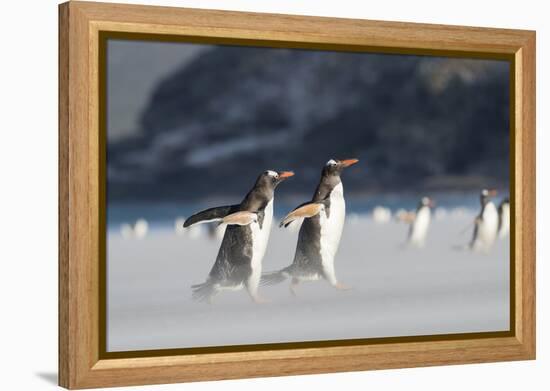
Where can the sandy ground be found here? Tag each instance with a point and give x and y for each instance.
(396, 291)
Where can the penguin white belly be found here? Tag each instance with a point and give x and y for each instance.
(331, 231)
(504, 228)
(260, 237)
(420, 227)
(487, 228)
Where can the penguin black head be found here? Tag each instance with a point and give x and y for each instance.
(486, 195)
(335, 167)
(270, 179)
(264, 189)
(427, 201)
(330, 176)
(505, 202)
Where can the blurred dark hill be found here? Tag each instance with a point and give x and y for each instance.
(416, 123)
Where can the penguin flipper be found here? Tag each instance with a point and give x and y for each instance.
(240, 218)
(212, 214)
(408, 217)
(306, 210)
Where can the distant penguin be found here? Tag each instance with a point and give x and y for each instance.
(137, 230)
(404, 216)
(178, 226)
(195, 232)
(248, 225)
(381, 215)
(420, 224)
(319, 236)
(127, 231)
(485, 224)
(216, 231)
(141, 227)
(504, 218)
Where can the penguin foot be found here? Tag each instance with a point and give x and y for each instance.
(342, 287)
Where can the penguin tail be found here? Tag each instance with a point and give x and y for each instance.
(273, 278)
(203, 292)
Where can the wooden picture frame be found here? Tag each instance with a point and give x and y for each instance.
(83, 362)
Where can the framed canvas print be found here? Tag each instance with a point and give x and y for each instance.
(248, 195)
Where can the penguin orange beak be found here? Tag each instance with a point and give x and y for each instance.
(493, 192)
(348, 162)
(431, 204)
(285, 175)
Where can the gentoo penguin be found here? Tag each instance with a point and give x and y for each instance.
(381, 215)
(248, 224)
(137, 230)
(319, 236)
(485, 224)
(504, 218)
(420, 223)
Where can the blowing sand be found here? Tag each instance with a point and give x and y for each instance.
(396, 291)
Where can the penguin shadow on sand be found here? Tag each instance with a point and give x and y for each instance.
(319, 235)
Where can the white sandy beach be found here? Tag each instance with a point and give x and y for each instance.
(396, 291)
